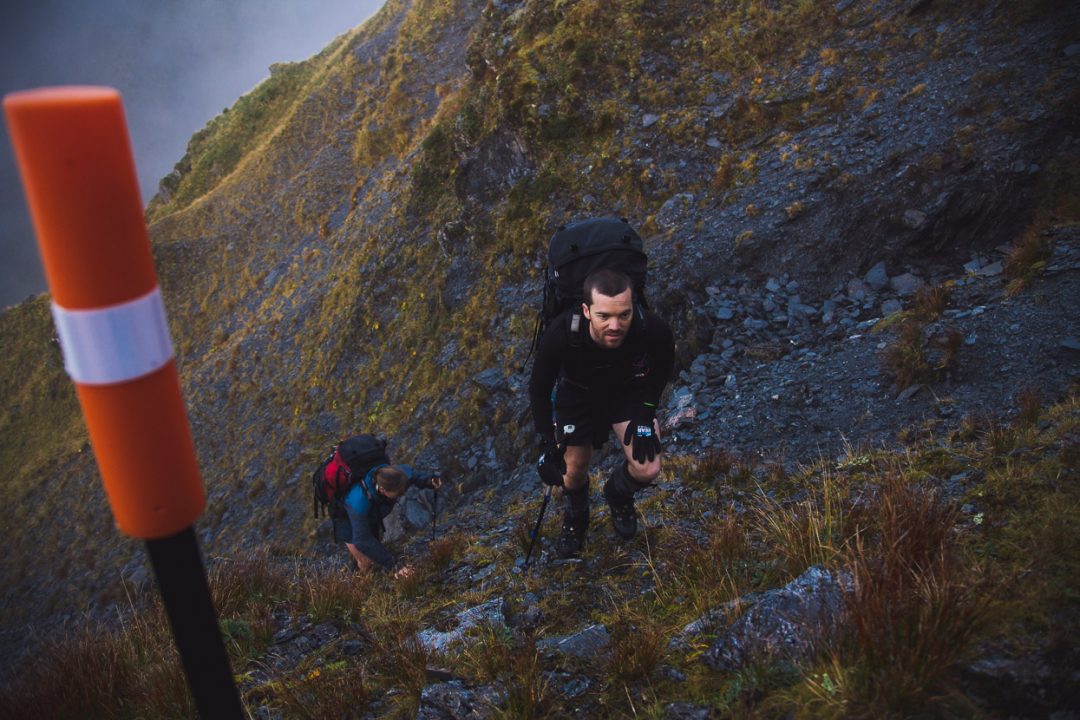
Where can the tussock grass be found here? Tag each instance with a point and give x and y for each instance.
(915, 606)
(930, 301)
(925, 585)
(529, 695)
(447, 549)
(1027, 260)
(915, 355)
(236, 582)
(905, 357)
(337, 594)
(335, 690)
(97, 672)
(813, 530)
(638, 644)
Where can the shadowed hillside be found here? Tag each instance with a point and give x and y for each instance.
(357, 245)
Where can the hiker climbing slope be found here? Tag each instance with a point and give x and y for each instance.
(371, 500)
(360, 487)
(608, 361)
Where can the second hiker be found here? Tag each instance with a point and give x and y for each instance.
(608, 362)
(360, 487)
(368, 503)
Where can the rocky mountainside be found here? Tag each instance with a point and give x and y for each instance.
(860, 218)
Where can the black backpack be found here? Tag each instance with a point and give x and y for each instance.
(349, 462)
(577, 249)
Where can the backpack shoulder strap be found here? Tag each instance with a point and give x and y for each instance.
(366, 484)
(574, 324)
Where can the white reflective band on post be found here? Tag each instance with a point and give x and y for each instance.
(114, 344)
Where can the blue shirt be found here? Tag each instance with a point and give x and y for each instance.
(366, 508)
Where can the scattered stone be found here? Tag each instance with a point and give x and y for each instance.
(649, 120)
(877, 277)
(674, 210)
(1071, 343)
(891, 307)
(908, 392)
(687, 711)
(490, 379)
(570, 685)
(786, 623)
(857, 290)
(906, 284)
(454, 701)
(914, 219)
(490, 613)
(586, 644)
(990, 270)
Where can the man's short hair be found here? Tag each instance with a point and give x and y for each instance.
(390, 479)
(606, 282)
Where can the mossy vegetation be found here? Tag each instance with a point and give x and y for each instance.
(933, 578)
(326, 271)
(217, 149)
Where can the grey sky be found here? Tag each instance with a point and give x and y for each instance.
(177, 65)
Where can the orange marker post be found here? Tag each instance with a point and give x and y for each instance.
(72, 148)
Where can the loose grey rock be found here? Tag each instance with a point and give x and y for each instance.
(914, 219)
(490, 613)
(454, 701)
(570, 685)
(785, 623)
(877, 277)
(908, 392)
(587, 643)
(906, 284)
(686, 711)
(857, 290)
(490, 379)
(674, 210)
(892, 306)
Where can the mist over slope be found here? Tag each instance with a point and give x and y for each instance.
(356, 244)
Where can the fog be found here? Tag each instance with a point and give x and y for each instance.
(177, 65)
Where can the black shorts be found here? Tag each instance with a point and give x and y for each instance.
(585, 417)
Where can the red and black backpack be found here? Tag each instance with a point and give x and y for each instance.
(350, 461)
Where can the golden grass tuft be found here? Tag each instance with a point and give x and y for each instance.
(915, 605)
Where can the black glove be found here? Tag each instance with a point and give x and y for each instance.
(551, 464)
(641, 432)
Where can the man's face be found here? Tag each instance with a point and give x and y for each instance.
(609, 318)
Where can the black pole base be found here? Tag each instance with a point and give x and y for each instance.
(181, 580)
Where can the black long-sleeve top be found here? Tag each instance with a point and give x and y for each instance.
(642, 364)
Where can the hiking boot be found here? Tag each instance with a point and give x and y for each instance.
(575, 522)
(572, 536)
(621, 502)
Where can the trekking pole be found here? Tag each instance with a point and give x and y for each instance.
(539, 521)
(434, 512)
(74, 156)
